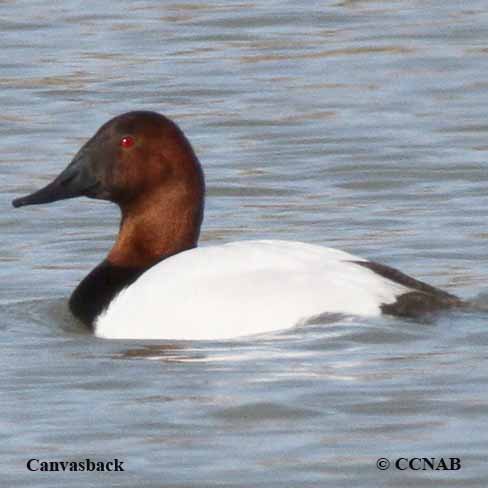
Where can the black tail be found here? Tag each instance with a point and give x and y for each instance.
(422, 300)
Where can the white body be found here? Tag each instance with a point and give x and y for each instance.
(243, 288)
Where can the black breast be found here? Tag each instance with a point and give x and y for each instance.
(93, 295)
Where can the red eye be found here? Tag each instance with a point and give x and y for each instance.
(127, 142)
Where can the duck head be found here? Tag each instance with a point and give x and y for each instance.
(143, 162)
(128, 157)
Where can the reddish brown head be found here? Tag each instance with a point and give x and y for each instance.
(143, 162)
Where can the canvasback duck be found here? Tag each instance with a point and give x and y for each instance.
(156, 283)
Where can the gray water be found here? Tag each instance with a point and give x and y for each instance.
(360, 125)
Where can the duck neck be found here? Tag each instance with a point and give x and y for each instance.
(159, 226)
(150, 231)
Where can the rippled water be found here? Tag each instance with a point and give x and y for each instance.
(357, 124)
